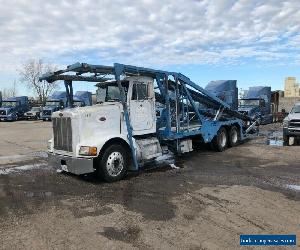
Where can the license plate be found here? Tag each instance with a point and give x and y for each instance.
(64, 168)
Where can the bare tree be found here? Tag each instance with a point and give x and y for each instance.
(8, 92)
(30, 73)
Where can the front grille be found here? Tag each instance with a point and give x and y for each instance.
(62, 131)
(2, 112)
(29, 114)
(294, 124)
(46, 112)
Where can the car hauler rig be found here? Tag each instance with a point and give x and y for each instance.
(123, 133)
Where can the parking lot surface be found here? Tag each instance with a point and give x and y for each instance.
(206, 204)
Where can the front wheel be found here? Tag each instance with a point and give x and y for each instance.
(113, 163)
(220, 141)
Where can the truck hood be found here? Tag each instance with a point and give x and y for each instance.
(83, 111)
(86, 122)
(31, 112)
(50, 108)
(293, 116)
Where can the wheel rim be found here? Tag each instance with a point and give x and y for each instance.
(234, 136)
(223, 139)
(115, 163)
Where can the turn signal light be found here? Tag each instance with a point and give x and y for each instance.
(85, 150)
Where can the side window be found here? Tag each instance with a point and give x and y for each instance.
(139, 91)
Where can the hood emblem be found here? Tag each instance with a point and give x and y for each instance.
(61, 114)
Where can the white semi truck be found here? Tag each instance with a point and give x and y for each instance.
(123, 131)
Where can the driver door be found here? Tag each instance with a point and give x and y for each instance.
(142, 107)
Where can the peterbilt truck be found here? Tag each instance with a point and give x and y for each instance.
(57, 101)
(14, 108)
(257, 104)
(122, 132)
(291, 125)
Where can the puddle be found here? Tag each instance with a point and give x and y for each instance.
(294, 187)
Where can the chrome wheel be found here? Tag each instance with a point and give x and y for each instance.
(234, 136)
(115, 164)
(223, 139)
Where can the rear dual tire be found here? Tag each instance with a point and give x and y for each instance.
(233, 136)
(220, 141)
(225, 139)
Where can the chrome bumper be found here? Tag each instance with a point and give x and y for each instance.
(70, 164)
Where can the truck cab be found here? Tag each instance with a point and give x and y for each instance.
(291, 124)
(14, 108)
(89, 131)
(226, 90)
(257, 104)
(56, 102)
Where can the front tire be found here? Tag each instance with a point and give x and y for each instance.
(113, 163)
(221, 140)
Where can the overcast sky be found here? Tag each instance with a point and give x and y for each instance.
(254, 42)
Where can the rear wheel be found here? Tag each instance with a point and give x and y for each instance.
(234, 136)
(113, 164)
(220, 141)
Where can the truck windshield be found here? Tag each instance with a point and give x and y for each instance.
(112, 94)
(52, 103)
(35, 109)
(108, 94)
(9, 104)
(296, 109)
(249, 102)
(77, 104)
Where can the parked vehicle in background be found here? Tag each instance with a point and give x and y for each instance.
(34, 113)
(257, 104)
(226, 90)
(57, 101)
(123, 131)
(291, 125)
(82, 99)
(14, 108)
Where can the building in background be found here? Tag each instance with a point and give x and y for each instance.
(291, 87)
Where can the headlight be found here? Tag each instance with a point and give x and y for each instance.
(285, 123)
(85, 150)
